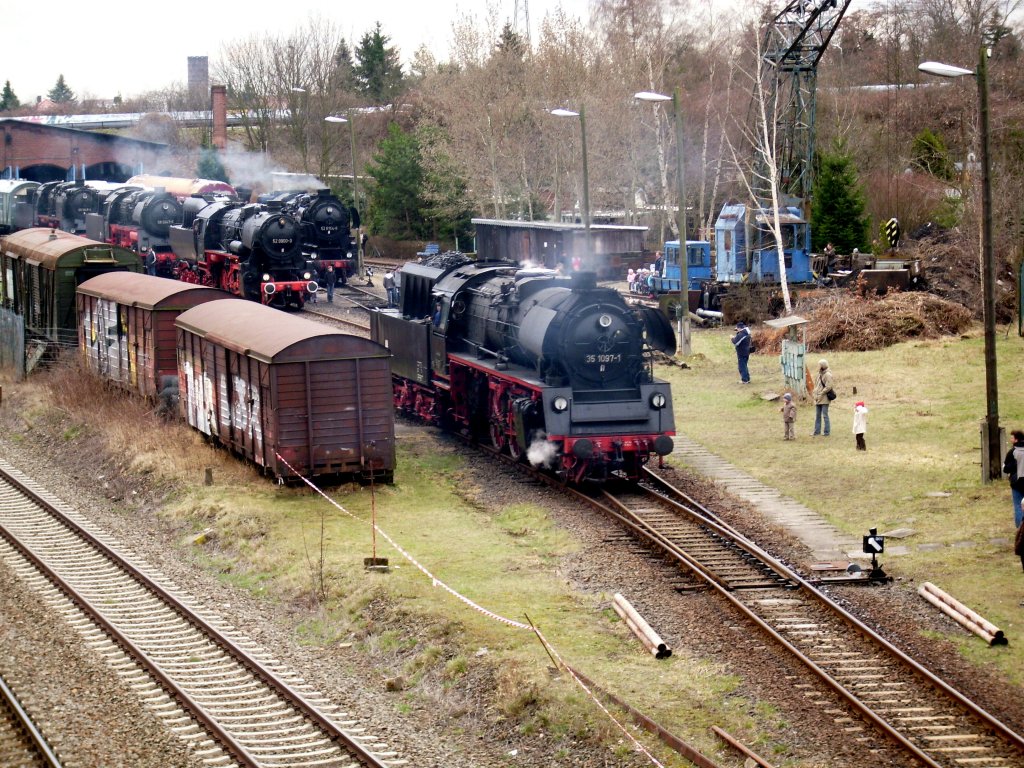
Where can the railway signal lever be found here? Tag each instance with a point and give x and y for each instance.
(875, 545)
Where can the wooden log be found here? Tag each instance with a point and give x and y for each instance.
(962, 615)
(640, 627)
(752, 757)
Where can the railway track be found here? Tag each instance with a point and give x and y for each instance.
(207, 682)
(21, 743)
(883, 688)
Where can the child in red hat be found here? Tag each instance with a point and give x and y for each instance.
(860, 424)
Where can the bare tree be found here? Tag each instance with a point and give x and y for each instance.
(285, 86)
(757, 160)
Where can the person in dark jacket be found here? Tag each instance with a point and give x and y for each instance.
(742, 343)
(1013, 465)
(331, 279)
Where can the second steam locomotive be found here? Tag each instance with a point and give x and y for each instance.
(556, 371)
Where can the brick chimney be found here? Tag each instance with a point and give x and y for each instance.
(219, 96)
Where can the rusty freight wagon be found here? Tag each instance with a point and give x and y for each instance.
(40, 269)
(296, 397)
(126, 328)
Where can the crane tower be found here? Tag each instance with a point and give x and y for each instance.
(522, 21)
(794, 41)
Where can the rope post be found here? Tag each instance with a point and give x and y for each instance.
(373, 563)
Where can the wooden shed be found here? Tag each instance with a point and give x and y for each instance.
(296, 397)
(40, 269)
(126, 327)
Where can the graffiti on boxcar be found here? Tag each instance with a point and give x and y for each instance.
(246, 409)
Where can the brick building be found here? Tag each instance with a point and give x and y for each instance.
(42, 153)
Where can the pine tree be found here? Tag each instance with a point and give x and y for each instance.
(8, 100)
(378, 70)
(210, 166)
(396, 196)
(60, 93)
(344, 69)
(837, 213)
(446, 204)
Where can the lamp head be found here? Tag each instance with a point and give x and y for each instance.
(651, 96)
(943, 70)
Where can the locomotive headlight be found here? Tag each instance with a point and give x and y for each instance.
(559, 404)
(266, 277)
(306, 275)
(658, 401)
(604, 321)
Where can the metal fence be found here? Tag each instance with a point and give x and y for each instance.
(12, 344)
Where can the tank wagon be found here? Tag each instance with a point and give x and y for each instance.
(293, 396)
(40, 269)
(182, 187)
(553, 370)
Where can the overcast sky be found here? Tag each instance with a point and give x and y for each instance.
(127, 47)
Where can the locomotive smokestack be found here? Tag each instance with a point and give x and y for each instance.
(219, 97)
(584, 281)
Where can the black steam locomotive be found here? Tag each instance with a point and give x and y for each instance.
(65, 205)
(139, 219)
(250, 249)
(552, 370)
(327, 226)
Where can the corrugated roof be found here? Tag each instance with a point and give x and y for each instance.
(144, 291)
(48, 246)
(264, 333)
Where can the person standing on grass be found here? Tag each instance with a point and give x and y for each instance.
(860, 424)
(742, 343)
(788, 417)
(1013, 465)
(823, 385)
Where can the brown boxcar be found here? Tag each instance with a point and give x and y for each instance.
(126, 327)
(273, 386)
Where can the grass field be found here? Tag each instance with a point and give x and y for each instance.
(922, 469)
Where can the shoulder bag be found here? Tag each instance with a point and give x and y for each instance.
(830, 394)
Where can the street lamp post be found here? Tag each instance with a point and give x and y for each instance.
(355, 181)
(988, 274)
(586, 177)
(685, 348)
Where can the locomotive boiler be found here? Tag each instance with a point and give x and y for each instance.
(552, 370)
(252, 250)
